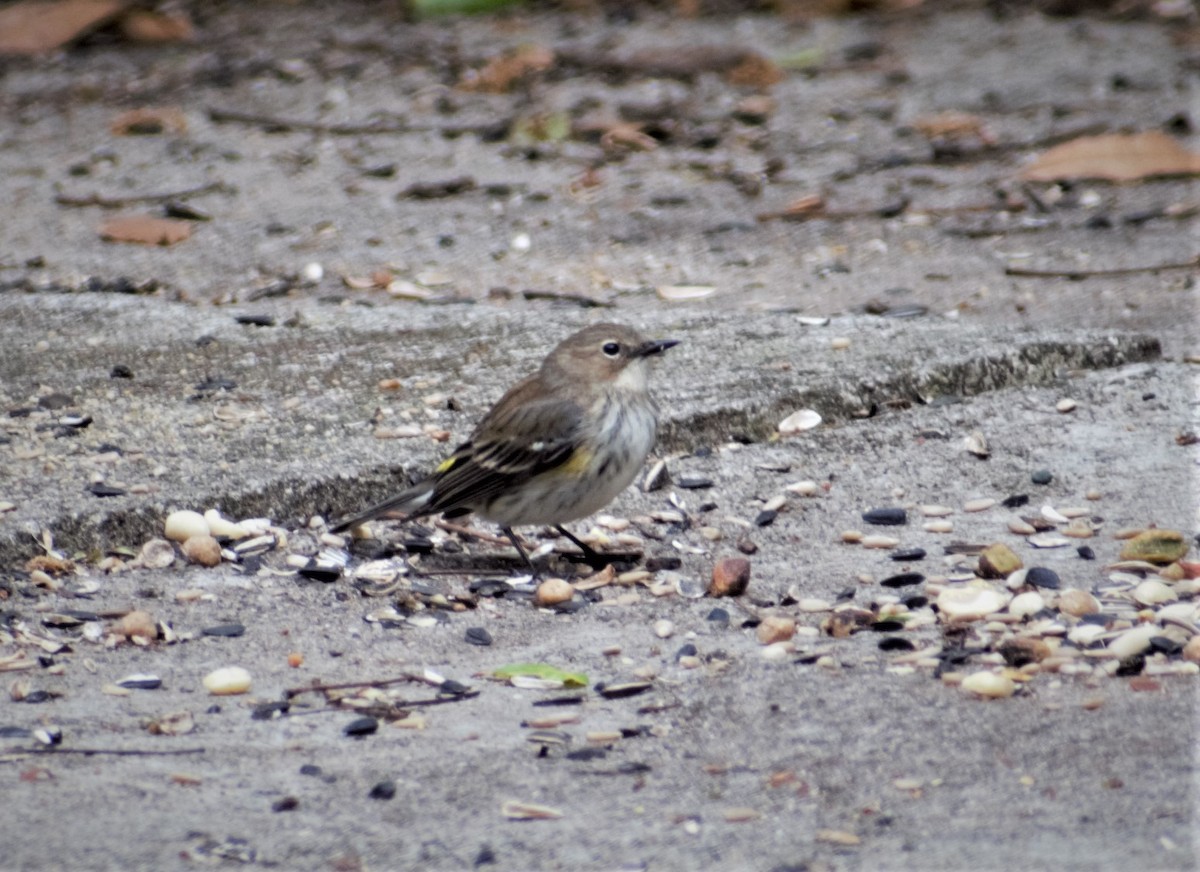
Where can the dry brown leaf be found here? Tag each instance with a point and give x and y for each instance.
(755, 71)
(33, 27)
(1116, 157)
(145, 229)
(142, 25)
(952, 125)
(149, 121)
(501, 72)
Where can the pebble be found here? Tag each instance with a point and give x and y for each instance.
(1052, 515)
(1152, 592)
(813, 604)
(968, 603)
(1016, 581)
(1079, 528)
(976, 443)
(136, 623)
(664, 629)
(1026, 604)
(1085, 634)
(939, 526)
(712, 534)
(989, 685)
(1044, 578)
(851, 537)
(982, 504)
(1078, 603)
(202, 550)
(1191, 651)
(776, 651)
(775, 628)
(798, 422)
(1020, 527)
(183, 525)
(998, 561)
(227, 681)
(806, 488)
(156, 554)
(1064, 406)
(1048, 540)
(1131, 642)
(1156, 546)
(839, 343)
(730, 577)
(223, 527)
(889, 517)
(553, 592)
(1041, 476)
(885, 543)
(935, 511)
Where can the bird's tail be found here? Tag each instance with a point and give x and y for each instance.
(411, 502)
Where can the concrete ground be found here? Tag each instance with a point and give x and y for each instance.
(834, 755)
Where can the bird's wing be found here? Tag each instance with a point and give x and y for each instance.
(513, 443)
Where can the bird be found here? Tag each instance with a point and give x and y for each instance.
(558, 446)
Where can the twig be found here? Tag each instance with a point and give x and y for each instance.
(350, 685)
(275, 122)
(470, 533)
(112, 752)
(114, 202)
(1194, 263)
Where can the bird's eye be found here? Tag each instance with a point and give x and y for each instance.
(612, 349)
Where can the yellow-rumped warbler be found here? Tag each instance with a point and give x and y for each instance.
(558, 446)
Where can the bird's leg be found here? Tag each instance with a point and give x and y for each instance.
(591, 556)
(512, 537)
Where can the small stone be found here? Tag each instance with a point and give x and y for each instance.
(1156, 546)
(553, 592)
(1044, 578)
(765, 518)
(136, 623)
(904, 579)
(363, 726)
(998, 561)
(939, 526)
(936, 511)
(1191, 651)
(776, 652)
(383, 790)
(806, 488)
(227, 681)
(968, 603)
(1026, 604)
(157, 554)
(230, 631)
(1020, 526)
(694, 482)
(1078, 603)
(775, 628)
(202, 550)
(730, 577)
(989, 685)
(851, 537)
(664, 629)
(976, 443)
(981, 504)
(1064, 406)
(1152, 592)
(478, 636)
(1042, 476)
(1048, 540)
(183, 525)
(884, 543)
(798, 422)
(839, 343)
(1133, 641)
(891, 517)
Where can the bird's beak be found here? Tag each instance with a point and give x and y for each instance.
(654, 346)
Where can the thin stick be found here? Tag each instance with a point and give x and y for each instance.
(472, 533)
(112, 752)
(350, 685)
(116, 202)
(1194, 263)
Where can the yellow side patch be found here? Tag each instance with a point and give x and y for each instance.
(447, 464)
(577, 464)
